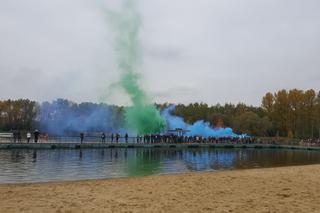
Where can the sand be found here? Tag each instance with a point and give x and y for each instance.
(284, 189)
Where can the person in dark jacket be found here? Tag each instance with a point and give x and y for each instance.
(81, 137)
(117, 137)
(103, 137)
(126, 137)
(36, 135)
(19, 136)
(15, 136)
(112, 137)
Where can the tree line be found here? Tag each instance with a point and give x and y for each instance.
(17, 114)
(286, 113)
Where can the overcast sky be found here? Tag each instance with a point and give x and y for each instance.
(214, 51)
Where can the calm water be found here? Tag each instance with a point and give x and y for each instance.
(55, 165)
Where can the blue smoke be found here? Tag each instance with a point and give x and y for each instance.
(62, 117)
(199, 128)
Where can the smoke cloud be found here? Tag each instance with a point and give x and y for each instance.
(199, 128)
(62, 117)
(143, 116)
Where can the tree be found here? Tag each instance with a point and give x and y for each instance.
(252, 124)
(268, 103)
(281, 112)
(317, 113)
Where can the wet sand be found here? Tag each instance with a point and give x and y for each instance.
(285, 189)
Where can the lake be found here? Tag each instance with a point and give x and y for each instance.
(25, 165)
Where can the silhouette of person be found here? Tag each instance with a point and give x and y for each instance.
(36, 136)
(111, 137)
(126, 137)
(103, 137)
(15, 136)
(81, 137)
(19, 136)
(117, 137)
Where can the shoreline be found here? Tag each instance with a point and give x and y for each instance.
(98, 145)
(146, 176)
(280, 189)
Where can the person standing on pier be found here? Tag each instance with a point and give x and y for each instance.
(28, 137)
(15, 136)
(19, 136)
(36, 135)
(81, 137)
(126, 137)
(117, 138)
(103, 138)
(111, 137)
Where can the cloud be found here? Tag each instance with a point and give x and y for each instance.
(164, 53)
(226, 51)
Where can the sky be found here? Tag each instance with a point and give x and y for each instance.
(212, 51)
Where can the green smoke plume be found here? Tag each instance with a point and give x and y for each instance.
(143, 116)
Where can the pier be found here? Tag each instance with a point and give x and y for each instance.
(99, 145)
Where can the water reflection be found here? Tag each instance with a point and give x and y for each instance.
(34, 156)
(47, 165)
(144, 162)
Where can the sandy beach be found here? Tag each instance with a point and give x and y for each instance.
(285, 189)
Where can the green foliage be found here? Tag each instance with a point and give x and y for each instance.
(252, 124)
(294, 113)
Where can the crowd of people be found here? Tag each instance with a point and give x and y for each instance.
(311, 142)
(170, 138)
(36, 137)
(17, 136)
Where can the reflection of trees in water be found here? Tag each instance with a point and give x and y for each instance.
(16, 156)
(116, 162)
(275, 157)
(205, 159)
(148, 161)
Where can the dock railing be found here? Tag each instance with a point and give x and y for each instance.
(8, 138)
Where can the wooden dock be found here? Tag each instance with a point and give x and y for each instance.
(95, 145)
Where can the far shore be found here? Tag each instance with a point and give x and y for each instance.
(282, 189)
